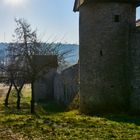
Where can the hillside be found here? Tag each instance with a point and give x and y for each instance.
(72, 58)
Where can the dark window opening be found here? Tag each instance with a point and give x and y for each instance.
(132, 88)
(101, 53)
(117, 18)
(112, 86)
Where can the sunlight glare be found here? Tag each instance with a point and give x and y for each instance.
(14, 2)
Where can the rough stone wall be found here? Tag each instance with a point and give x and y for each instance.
(104, 56)
(66, 85)
(135, 60)
(44, 87)
(61, 87)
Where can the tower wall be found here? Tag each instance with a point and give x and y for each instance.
(104, 55)
(135, 65)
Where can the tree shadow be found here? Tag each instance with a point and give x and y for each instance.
(41, 108)
(121, 117)
(50, 107)
(125, 119)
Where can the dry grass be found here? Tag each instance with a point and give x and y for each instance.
(51, 123)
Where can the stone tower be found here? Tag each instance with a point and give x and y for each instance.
(105, 53)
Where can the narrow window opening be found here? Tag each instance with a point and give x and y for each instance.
(101, 53)
(112, 86)
(117, 18)
(132, 87)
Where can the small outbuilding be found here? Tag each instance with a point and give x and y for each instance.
(47, 67)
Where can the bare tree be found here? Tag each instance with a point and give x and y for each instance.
(22, 56)
(11, 74)
(24, 47)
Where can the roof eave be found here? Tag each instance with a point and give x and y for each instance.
(75, 8)
(77, 5)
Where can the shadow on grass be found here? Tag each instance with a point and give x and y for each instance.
(25, 110)
(120, 117)
(41, 108)
(50, 107)
(53, 108)
(125, 119)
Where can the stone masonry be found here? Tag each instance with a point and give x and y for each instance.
(60, 87)
(109, 55)
(66, 85)
(44, 86)
(135, 75)
(46, 66)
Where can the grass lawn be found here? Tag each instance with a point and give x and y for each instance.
(51, 123)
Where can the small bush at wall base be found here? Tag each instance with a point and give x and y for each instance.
(75, 103)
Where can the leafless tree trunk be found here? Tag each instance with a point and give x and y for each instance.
(32, 99)
(18, 90)
(7, 95)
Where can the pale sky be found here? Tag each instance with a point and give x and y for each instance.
(54, 19)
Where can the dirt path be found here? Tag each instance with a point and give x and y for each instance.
(6, 133)
(3, 90)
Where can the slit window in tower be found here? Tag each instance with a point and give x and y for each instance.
(101, 53)
(117, 18)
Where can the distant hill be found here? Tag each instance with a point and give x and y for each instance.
(3, 45)
(2, 51)
(72, 57)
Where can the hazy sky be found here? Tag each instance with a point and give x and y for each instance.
(54, 19)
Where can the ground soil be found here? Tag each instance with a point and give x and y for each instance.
(3, 90)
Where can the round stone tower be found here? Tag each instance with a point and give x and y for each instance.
(105, 27)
